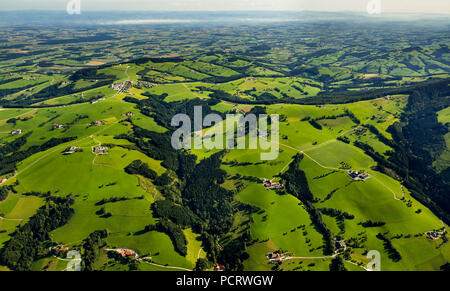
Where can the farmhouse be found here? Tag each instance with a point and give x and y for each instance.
(16, 132)
(433, 235)
(125, 253)
(100, 150)
(340, 245)
(129, 114)
(3, 180)
(71, 150)
(358, 176)
(58, 126)
(275, 257)
(59, 249)
(270, 185)
(97, 123)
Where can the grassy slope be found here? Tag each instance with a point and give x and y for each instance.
(87, 177)
(443, 162)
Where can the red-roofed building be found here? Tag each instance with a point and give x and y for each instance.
(127, 253)
(97, 123)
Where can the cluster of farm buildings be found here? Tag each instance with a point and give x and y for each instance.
(339, 244)
(433, 235)
(358, 176)
(126, 253)
(71, 150)
(271, 185)
(275, 257)
(100, 150)
(59, 249)
(97, 123)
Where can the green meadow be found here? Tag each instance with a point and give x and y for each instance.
(280, 221)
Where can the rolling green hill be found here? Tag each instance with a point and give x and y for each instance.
(87, 164)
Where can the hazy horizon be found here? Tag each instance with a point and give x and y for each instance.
(207, 17)
(391, 6)
(225, 11)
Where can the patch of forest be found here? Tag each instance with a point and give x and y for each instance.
(28, 241)
(418, 141)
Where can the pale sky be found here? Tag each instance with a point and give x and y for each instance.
(388, 6)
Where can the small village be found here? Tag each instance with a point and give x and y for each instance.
(122, 87)
(271, 185)
(358, 175)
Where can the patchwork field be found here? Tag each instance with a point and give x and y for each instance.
(101, 138)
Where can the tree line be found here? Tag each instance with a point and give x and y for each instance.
(28, 241)
(297, 185)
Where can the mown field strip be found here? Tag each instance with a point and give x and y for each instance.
(17, 116)
(12, 219)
